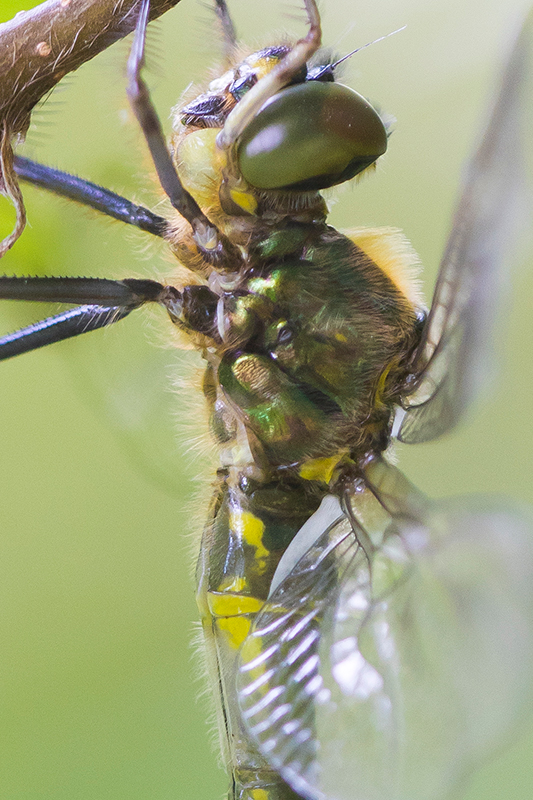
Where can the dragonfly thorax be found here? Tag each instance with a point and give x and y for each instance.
(307, 350)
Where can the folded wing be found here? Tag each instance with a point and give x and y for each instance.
(389, 672)
(491, 222)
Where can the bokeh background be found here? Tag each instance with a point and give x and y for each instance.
(99, 684)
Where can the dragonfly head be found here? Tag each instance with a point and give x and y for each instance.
(313, 134)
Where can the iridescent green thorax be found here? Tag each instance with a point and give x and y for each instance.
(308, 337)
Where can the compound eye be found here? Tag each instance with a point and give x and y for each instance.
(309, 137)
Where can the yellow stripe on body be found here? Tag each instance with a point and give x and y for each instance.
(259, 794)
(382, 382)
(321, 469)
(232, 605)
(232, 615)
(234, 629)
(244, 200)
(251, 528)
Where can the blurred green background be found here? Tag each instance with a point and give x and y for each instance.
(99, 683)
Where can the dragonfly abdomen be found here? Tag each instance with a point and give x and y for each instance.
(250, 526)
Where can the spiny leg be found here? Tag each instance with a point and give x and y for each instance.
(73, 322)
(215, 247)
(90, 194)
(103, 303)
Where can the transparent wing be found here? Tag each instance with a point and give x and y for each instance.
(492, 215)
(389, 677)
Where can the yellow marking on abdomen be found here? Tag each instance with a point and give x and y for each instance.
(232, 605)
(251, 528)
(234, 629)
(259, 794)
(232, 615)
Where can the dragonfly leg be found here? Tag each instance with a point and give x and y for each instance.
(214, 247)
(90, 194)
(103, 302)
(280, 76)
(228, 29)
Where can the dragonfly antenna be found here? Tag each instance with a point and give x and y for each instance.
(375, 41)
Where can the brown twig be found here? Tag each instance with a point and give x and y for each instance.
(37, 49)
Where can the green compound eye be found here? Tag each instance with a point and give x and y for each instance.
(309, 137)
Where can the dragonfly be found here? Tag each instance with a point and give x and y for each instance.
(335, 682)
